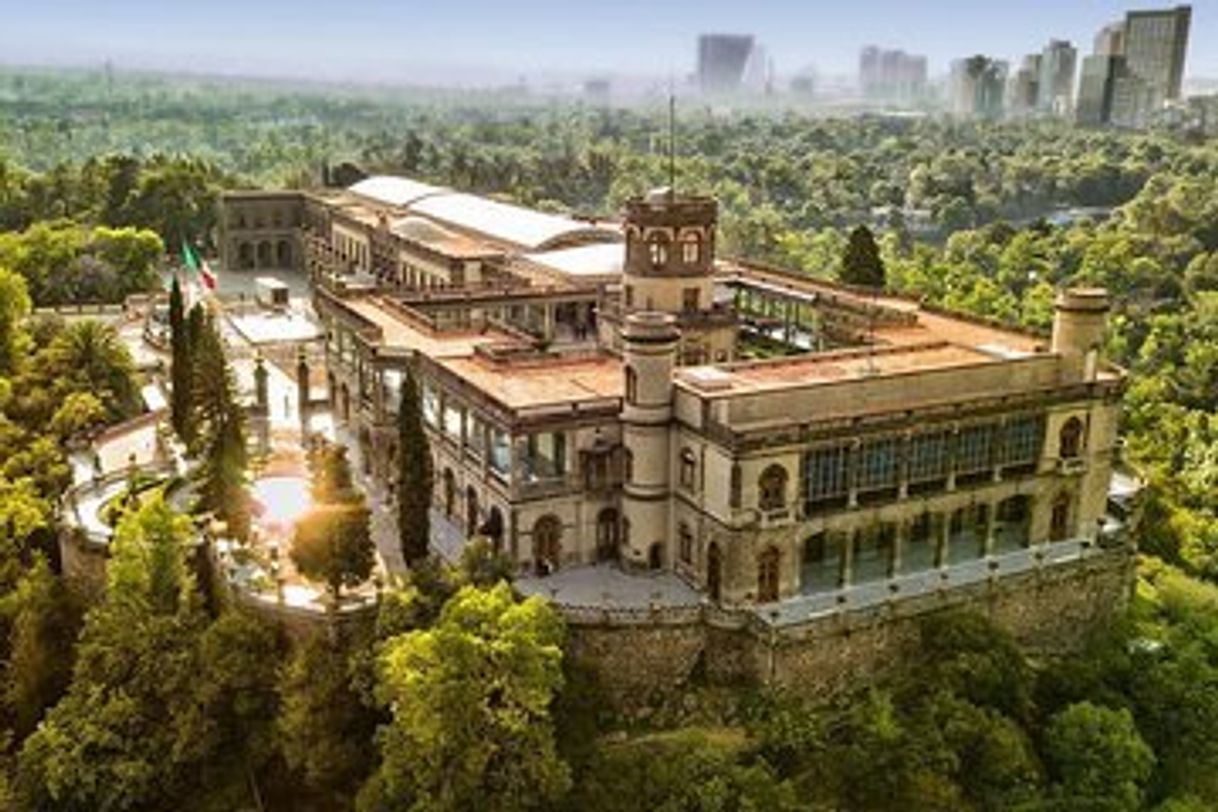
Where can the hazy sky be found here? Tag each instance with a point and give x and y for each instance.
(410, 41)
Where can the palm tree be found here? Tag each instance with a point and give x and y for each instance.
(88, 356)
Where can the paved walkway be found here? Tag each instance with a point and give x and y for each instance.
(607, 586)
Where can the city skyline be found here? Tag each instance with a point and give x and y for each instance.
(466, 41)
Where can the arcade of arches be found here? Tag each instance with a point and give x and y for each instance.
(265, 255)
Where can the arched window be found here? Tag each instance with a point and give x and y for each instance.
(689, 467)
(1070, 439)
(768, 575)
(1059, 520)
(773, 488)
(547, 544)
(450, 492)
(685, 542)
(657, 249)
(691, 249)
(283, 254)
(493, 529)
(471, 512)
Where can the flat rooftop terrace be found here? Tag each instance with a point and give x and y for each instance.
(831, 367)
(547, 382)
(401, 334)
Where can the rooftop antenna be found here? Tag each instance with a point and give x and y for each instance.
(672, 139)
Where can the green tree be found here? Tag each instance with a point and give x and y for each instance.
(44, 618)
(14, 307)
(78, 415)
(324, 730)
(164, 705)
(1097, 758)
(181, 375)
(689, 769)
(332, 544)
(861, 262)
(470, 700)
(219, 428)
(89, 356)
(414, 483)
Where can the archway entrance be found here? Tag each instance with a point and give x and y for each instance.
(607, 535)
(714, 571)
(1059, 521)
(547, 544)
(767, 575)
(655, 556)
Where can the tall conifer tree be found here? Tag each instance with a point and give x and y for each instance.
(414, 476)
(861, 262)
(181, 377)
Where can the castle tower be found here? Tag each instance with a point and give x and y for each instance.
(669, 268)
(649, 345)
(1078, 331)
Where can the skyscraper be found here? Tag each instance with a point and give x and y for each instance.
(1025, 86)
(979, 86)
(1137, 67)
(1055, 86)
(1155, 44)
(1095, 88)
(721, 61)
(891, 75)
(1111, 40)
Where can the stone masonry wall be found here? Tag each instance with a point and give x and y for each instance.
(1049, 611)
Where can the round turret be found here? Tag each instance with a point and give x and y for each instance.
(649, 350)
(1078, 331)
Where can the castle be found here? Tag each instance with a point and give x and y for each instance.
(605, 391)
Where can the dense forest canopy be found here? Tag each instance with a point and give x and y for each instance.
(146, 700)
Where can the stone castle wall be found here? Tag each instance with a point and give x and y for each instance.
(636, 659)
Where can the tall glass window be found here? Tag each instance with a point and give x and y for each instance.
(1022, 439)
(453, 418)
(877, 466)
(928, 456)
(825, 469)
(501, 452)
(431, 406)
(546, 455)
(974, 448)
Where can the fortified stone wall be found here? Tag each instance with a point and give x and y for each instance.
(640, 657)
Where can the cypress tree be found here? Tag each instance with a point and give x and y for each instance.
(414, 476)
(219, 428)
(181, 378)
(861, 262)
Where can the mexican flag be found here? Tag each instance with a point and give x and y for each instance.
(192, 260)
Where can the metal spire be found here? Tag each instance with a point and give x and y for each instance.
(672, 139)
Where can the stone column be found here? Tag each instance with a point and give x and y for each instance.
(847, 557)
(990, 529)
(942, 522)
(898, 547)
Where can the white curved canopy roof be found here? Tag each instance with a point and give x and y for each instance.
(600, 259)
(518, 226)
(392, 190)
